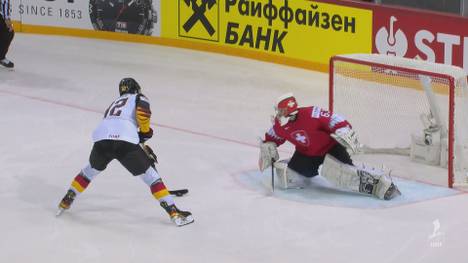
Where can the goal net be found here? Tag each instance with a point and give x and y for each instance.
(415, 111)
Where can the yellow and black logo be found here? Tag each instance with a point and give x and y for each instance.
(199, 19)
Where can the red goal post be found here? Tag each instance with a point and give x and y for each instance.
(405, 106)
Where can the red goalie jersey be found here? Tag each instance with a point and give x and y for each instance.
(309, 132)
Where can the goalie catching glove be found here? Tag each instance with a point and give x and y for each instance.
(348, 138)
(268, 155)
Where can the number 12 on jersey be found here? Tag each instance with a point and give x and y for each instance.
(115, 109)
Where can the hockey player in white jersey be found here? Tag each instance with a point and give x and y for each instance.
(120, 135)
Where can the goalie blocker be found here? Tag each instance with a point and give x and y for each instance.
(268, 155)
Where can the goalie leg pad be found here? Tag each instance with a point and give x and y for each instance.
(367, 182)
(281, 169)
(288, 178)
(383, 188)
(339, 174)
(362, 179)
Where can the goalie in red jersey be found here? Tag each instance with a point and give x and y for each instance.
(322, 140)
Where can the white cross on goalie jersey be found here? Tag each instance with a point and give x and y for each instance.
(301, 138)
(119, 123)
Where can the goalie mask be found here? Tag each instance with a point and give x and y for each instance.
(286, 106)
(129, 85)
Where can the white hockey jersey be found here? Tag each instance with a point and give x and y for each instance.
(119, 122)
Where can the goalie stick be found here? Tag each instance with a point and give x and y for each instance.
(272, 175)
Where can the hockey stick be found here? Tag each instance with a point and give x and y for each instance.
(153, 158)
(151, 155)
(179, 192)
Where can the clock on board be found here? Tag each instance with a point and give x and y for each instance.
(128, 16)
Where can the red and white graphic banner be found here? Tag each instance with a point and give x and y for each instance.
(427, 36)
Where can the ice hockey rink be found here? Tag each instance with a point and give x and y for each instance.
(208, 112)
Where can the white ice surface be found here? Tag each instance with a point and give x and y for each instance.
(208, 111)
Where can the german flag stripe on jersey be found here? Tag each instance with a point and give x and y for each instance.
(80, 183)
(159, 190)
(143, 115)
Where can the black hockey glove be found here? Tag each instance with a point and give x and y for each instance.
(144, 136)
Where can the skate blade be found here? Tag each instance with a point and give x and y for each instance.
(7, 69)
(59, 212)
(183, 221)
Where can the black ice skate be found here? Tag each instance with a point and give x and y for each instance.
(6, 63)
(179, 217)
(392, 192)
(66, 202)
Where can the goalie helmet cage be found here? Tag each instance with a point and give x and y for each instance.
(383, 97)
